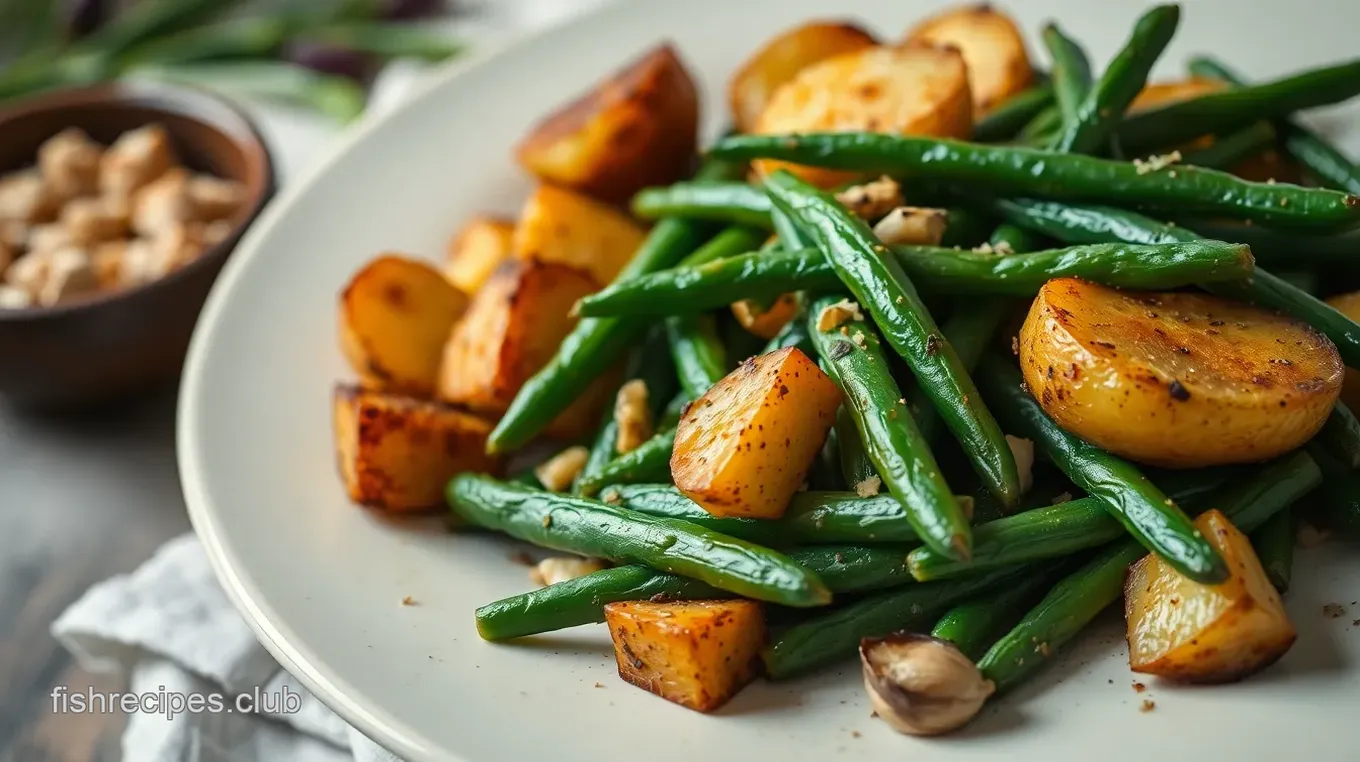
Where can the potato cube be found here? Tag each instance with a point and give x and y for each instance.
(560, 226)
(1183, 630)
(745, 447)
(477, 250)
(397, 453)
(69, 163)
(697, 654)
(395, 316)
(766, 321)
(136, 158)
(782, 58)
(992, 46)
(639, 127)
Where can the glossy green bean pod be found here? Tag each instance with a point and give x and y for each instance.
(1005, 121)
(596, 529)
(1338, 500)
(899, 453)
(1125, 76)
(972, 626)
(1282, 248)
(1071, 71)
(665, 501)
(1031, 172)
(1270, 291)
(596, 344)
(1043, 129)
(1340, 435)
(851, 454)
(699, 356)
(722, 202)
(1230, 150)
(1274, 544)
(1144, 510)
(648, 462)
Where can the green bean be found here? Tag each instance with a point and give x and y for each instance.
(1274, 545)
(1145, 511)
(248, 37)
(1006, 120)
(855, 568)
(1283, 248)
(595, 344)
(723, 202)
(1307, 281)
(648, 462)
(900, 455)
(1230, 150)
(1071, 72)
(1267, 290)
(337, 97)
(1340, 435)
(1338, 501)
(665, 501)
(1103, 108)
(1028, 171)
(150, 19)
(593, 528)
(388, 40)
(650, 364)
(972, 626)
(1043, 129)
(1235, 108)
(938, 270)
(1080, 596)
(825, 638)
(793, 334)
(700, 359)
(856, 468)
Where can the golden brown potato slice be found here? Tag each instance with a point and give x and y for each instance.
(744, 447)
(1178, 380)
(397, 453)
(992, 46)
(908, 89)
(1349, 305)
(1184, 630)
(697, 654)
(477, 250)
(782, 58)
(637, 128)
(561, 226)
(394, 317)
(766, 321)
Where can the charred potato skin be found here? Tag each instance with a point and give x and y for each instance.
(744, 447)
(1248, 634)
(697, 654)
(637, 128)
(782, 58)
(1176, 380)
(397, 453)
(565, 227)
(865, 90)
(992, 46)
(392, 314)
(476, 250)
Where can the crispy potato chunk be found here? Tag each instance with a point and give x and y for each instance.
(1183, 630)
(476, 250)
(1176, 379)
(697, 654)
(395, 315)
(397, 453)
(993, 48)
(766, 322)
(782, 58)
(744, 447)
(560, 226)
(637, 128)
(1349, 305)
(511, 330)
(909, 89)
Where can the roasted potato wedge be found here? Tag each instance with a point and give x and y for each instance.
(561, 226)
(1184, 630)
(477, 250)
(908, 89)
(766, 321)
(992, 46)
(1349, 305)
(782, 58)
(512, 328)
(744, 447)
(1179, 380)
(394, 317)
(397, 453)
(638, 128)
(697, 654)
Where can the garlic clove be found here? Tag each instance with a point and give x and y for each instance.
(922, 685)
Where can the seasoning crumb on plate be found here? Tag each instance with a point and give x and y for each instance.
(1334, 610)
(1148, 705)
(408, 601)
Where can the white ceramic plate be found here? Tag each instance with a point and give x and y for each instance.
(320, 581)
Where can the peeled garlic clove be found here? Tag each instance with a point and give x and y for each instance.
(921, 685)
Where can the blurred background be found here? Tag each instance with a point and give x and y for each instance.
(90, 490)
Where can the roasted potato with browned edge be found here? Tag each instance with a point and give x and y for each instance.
(476, 250)
(697, 654)
(1183, 630)
(782, 58)
(745, 447)
(993, 47)
(397, 453)
(907, 89)
(395, 315)
(1349, 305)
(1179, 380)
(561, 226)
(639, 127)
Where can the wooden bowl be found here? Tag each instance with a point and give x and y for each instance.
(98, 350)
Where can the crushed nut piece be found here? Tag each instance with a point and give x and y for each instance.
(24, 198)
(1023, 451)
(868, 487)
(70, 274)
(558, 472)
(633, 416)
(1334, 610)
(1154, 163)
(69, 164)
(912, 225)
(1147, 706)
(873, 199)
(88, 221)
(550, 571)
(163, 204)
(135, 159)
(841, 312)
(14, 298)
(408, 601)
(215, 198)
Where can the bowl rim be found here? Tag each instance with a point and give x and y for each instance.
(210, 110)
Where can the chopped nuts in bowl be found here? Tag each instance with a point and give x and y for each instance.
(118, 206)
